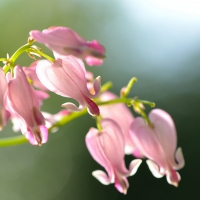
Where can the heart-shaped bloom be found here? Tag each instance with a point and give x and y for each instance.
(158, 142)
(24, 105)
(67, 77)
(107, 148)
(65, 41)
(124, 118)
(3, 90)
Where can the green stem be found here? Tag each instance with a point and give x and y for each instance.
(18, 53)
(3, 59)
(114, 101)
(12, 141)
(31, 50)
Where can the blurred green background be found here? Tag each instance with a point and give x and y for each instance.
(156, 41)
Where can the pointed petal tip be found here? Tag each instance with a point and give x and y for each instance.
(134, 165)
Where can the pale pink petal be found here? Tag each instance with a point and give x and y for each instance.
(124, 121)
(165, 129)
(4, 114)
(134, 165)
(72, 107)
(154, 168)
(103, 177)
(146, 140)
(180, 159)
(94, 145)
(21, 96)
(113, 143)
(97, 86)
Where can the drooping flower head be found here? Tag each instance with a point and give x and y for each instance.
(67, 77)
(158, 142)
(24, 105)
(65, 41)
(124, 118)
(107, 148)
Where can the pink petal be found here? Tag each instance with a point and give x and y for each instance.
(154, 168)
(102, 177)
(134, 165)
(121, 183)
(21, 96)
(95, 148)
(124, 121)
(3, 92)
(113, 143)
(165, 129)
(180, 159)
(146, 140)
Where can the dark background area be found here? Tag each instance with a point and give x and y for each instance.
(159, 43)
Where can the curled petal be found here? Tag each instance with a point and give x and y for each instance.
(154, 168)
(134, 165)
(72, 107)
(97, 86)
(180, 159)
(103, 177)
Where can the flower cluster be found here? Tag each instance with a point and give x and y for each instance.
(23, 90)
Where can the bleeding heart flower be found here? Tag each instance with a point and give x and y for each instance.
(158, 141)
(65, 41)
(107, 148)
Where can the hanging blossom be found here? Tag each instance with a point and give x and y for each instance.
(124, 118)
(107, 148)
(4, 114)
(65, 41)
(24, 105)
(158, 141)
(67, 77)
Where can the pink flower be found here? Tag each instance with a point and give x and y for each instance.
(24, 105)
(157, 142)
(124, 118)
(4, 115)
(107, 148)
(65, 41)
(66, 77)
